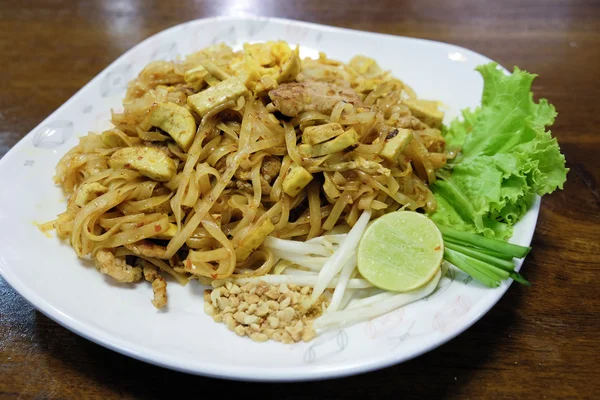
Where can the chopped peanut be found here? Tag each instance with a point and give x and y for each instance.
(262, 311)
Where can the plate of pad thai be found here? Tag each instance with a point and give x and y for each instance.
(265, 199)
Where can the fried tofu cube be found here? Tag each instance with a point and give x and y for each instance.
(395, 145)
(426, 111)
(229, 89)
(296, 179)
(196, 77)
(321, 133)
(345, 140)
(252, 241)
(111, 140)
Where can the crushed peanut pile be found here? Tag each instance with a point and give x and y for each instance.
(261, 311)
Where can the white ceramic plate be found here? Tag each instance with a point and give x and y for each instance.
(48, 274)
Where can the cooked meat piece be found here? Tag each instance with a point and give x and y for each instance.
(159, 288)
(150, 273)
(270, 167)
(269, 170)
(243, 174)
(244, 186)
(265, 186)
(147, 249)
(221, 165)
(294, 97)
(117, 268)
(410, 122)
(159, 285)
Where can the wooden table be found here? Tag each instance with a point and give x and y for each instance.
(539, 342)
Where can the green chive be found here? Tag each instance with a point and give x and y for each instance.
(484, 242)
(472, 252)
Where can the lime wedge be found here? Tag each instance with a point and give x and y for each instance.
(400, 251)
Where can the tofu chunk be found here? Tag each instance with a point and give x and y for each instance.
(296, 179)
(253, 240)
(395, 145)
(111, 140)
(426, 111)
(177, 121)
(227, 90)
(196, 77)
(321, 133)
(345, 140)
(148, 161)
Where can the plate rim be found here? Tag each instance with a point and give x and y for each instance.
(241, 373)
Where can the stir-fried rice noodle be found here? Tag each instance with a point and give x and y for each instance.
(280, 148)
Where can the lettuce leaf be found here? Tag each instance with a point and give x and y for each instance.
(506, 157)
(456, 133)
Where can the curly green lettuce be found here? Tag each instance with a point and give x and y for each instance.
(505, 157)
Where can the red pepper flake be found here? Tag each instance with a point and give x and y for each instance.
(214, 276)
(140, 158)
(157, 228)
(127, 165)
(438, 247)
(188, 264)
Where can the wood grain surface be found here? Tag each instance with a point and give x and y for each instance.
(538, 342)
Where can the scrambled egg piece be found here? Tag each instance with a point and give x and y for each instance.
(168, 234)
(221, 93)
(88, 192)
(148, 161)
(266, 65)
(177, 121)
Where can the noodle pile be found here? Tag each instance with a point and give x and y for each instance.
(251, 168)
